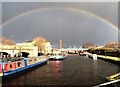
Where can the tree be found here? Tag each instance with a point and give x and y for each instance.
(40, 42)
(112, 46)
(9, 42)
(4, 40)
(88, 45)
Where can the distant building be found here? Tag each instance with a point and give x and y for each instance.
(48, 47)
(28, 47)
(55, 51)
(28, 43)
(20, 47)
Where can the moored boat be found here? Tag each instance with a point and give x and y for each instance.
(83, 53)
(12, 67)
(93, 56)
(87, 54)
(57, 57)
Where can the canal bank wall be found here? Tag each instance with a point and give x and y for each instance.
(109, 58)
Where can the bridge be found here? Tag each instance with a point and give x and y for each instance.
(74, 50)
(15, 49)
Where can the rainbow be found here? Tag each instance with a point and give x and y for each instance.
(70, 9)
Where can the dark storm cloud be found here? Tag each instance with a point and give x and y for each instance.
(107, 10)
(74, 28)
(0, 18)
(0, 15)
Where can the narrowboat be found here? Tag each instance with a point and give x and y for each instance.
(83, 53)
(90, 55)
(12, 67)
(93, 56)
(57, 57)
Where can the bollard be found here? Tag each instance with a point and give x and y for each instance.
(94, 56)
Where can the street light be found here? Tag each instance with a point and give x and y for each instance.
(13, 52)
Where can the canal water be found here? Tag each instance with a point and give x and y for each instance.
(74, 70)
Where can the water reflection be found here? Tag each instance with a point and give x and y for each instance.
(95, 70)
(56, 69)
(95, 66)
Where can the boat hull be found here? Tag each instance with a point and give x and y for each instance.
(57, 57)
(6, 71)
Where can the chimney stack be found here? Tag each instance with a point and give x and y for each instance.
(60, 44)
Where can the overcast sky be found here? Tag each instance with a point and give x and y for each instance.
(74, 23)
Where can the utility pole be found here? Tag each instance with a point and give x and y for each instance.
(13, 47)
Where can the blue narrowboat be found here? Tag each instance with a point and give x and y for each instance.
(12, 67)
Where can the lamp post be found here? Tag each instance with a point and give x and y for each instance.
(12, 37)
(13, 50)
(38, 50)
(13, 46)
(1, 50)
(20, 52)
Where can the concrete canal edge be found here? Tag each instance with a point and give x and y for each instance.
(109, 58)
